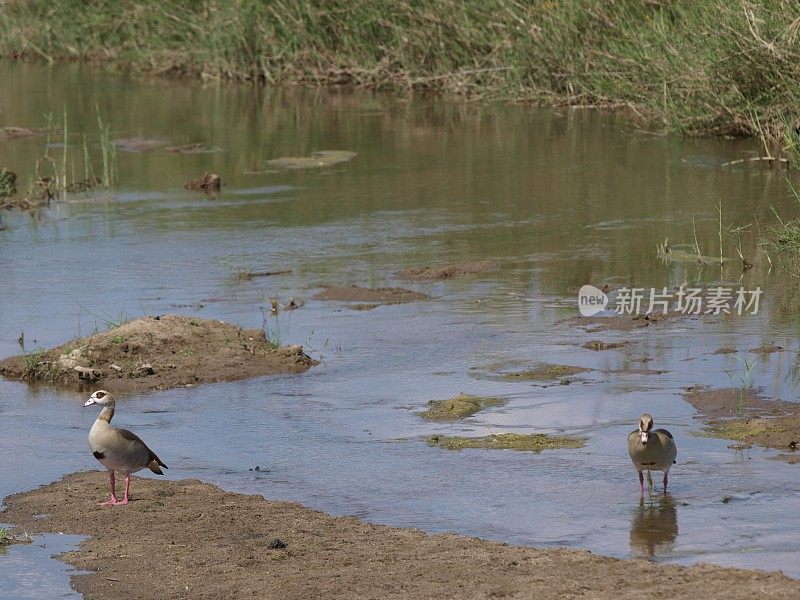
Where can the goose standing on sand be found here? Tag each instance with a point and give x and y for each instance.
(118, 449)
(651, 450)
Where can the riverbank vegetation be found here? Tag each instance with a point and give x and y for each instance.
(700, 67)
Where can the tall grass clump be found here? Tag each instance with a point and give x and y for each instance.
(693, 66)
(108, 151)
(783, 239)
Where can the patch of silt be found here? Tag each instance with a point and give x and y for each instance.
(317, 160)
(159, 353)
(744, 415)
(460, 407)
(534, 442)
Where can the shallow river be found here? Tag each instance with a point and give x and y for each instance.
(561, 198)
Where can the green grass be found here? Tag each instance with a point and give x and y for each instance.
(783, 239)
(694, 66)
(36, 367)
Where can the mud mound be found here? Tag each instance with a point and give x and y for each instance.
(202, 542)
(744, 415)
(370, 295)
(448, 271)
(159, 353)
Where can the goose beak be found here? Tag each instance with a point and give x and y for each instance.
(89, 402)
(643, 435)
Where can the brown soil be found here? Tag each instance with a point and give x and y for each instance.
(370, 295)
(187, 539)
(159, 353)
(449, 271)
(209, 182)
(744, 415)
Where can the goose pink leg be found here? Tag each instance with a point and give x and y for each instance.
(666, 479)
(114, 501)
(641, 483)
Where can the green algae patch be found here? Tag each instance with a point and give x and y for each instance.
(544, 372)
(460, 407)
(534, 442)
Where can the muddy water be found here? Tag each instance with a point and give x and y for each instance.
(560, 198)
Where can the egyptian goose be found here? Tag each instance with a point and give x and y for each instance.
(118, 449)
(651, 450)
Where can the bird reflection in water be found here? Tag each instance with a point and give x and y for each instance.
(654, 526)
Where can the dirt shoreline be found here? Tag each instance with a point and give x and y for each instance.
(188, 539)
(159, 353)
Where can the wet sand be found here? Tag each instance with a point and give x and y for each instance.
(188, 539)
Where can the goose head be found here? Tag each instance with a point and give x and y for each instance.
(100, 397)
(645, 425)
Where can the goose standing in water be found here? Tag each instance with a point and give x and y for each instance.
(118, 449)
(651, 450)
